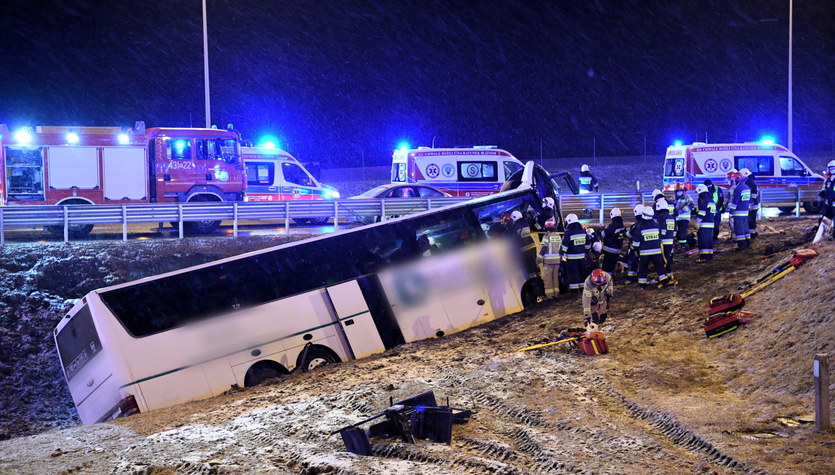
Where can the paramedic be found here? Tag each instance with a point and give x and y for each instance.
(647, 242)
(754, 205)
(719, 200)
(667, 226)
(549, 259)
(573, 250)
(739, 210)
(631, 253)
(683, 205)
(588, 182)
(597, 293)
(704, 219)
(613, 240)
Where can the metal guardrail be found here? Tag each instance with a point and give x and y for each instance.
(590, 207)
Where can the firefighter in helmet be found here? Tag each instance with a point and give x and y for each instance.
(573, 249)
(597, 293)
(588, 182)
(549, 259)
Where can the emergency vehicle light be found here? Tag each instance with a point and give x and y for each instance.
(268, 142)
(123, 138)
(179, 144)
(677, 143)
(23, 136)
(72, 137)
(403, 146)
(767, 140)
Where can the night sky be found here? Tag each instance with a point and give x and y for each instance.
(334, 81)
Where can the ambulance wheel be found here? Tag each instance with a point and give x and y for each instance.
(262, 371)
(316, 357)
(319, 221)
(786, 209)
(812, 207)
(301, 220)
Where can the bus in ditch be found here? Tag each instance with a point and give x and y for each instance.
(196, 332)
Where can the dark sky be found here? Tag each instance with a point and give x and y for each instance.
(334, 80)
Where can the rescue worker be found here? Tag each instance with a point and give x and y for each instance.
(549, 259)
(705, 222)
(520, 222)
(667, 226)
(588, 182)
(719, 199)
(573, 250)
(683, 206)
(631, 253)
(521, 228)
(739, 210)
(647, 242)
(827, 196)
(548, 212)
(754, 205)
(613, 240)
(598, 291)
(731, 187)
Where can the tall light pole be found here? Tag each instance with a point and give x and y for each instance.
(206, 74)
(791, 8)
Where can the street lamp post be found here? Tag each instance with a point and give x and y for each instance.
(791, 5)
(206, 69)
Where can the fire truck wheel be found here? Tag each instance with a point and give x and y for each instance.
(77, 231)
(812, 207)
(262, 371)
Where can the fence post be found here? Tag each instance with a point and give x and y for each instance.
(180, 213)
(287, 218)
(335, 216)
(428, 204)
(235, 219)
(823, 415)
(382, 210)
(66, 224)
(2, 227)
(797, 203)
(124, 223)
(602, 206)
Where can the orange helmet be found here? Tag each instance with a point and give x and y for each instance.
(679, 186)
(598, 277)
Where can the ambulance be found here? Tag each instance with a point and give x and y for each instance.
(274, 175)
(476, 171)
(773, 166)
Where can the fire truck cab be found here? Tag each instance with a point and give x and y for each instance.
(113, 165)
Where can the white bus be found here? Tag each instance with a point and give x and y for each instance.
(196, 332)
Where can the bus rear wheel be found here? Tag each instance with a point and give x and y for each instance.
(316, 357)
(263, 371)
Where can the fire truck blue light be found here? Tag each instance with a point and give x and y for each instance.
(123, 138)
(72, 137)
(180, 144)
(22, 136)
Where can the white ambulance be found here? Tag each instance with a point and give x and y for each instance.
(773, 165)
(476, 171)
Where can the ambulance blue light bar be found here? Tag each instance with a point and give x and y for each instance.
(767, 140)
(403, 146)
(677, 143)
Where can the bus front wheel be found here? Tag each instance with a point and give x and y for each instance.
(262, 371)
(317, 356)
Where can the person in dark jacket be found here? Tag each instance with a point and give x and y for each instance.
(647, 242)
(667, 226)
(588, 182)
(754, 205)
(719, 200)
(683, 205)
(704, 219)
(632, 254)
(573, 250)
(739, 210)
(613, 240)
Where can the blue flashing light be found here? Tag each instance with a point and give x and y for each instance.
(180, 144)
(23, 136)
(403, 146)
(269, 142)
(123, 138)
(72, 137)
(331, 193)
(677, 143)
(269, 145)
(767, 140)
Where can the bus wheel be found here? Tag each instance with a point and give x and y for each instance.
(532, 295)
(262, 371)
(318, 356)
(319, 221)
(812, 207)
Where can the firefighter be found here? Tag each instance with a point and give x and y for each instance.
(548, 212)
(667, 226)
(754, 205)
(549, 259)
(683, 206)
(719, 199)
(647, 242)
(597, 293)
(573, 250)
(827, 196)
(588, 182)
(613, 240)
(705, 222)
(631, 254)
(739, 210)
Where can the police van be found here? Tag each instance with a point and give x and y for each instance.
(476, 171)
(274, 175)
(773, 166)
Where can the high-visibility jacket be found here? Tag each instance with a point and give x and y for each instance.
(683, 205)
(613, 236)
(588, 182)
(718, 197)
(647, 238)
(597, 295)
(575, 243)
(667, 226)
(827, 193)
(550, 250)
(755, 192)
(707, 211)
(741, 200)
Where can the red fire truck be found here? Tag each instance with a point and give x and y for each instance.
(113, 165)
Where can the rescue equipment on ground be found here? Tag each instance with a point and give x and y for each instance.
(588, 340)
(725, 322)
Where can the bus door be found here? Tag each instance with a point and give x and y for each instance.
(355, 319)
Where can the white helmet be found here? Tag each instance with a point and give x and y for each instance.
(657, 192)
(830, 165)
(584, 168)
(590, 231)
(614, 213)
(661, 204)
(515, 216)
(745, 173)
(638, 209)
(571, 219)
(597, 246)
(701, 189)
(548, 202)
(485, 227)
(648, 212)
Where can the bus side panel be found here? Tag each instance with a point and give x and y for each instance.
(355, 319)
(175, 388)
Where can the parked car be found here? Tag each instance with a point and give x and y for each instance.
(396, 191)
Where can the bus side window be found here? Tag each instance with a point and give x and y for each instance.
(791, 167)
